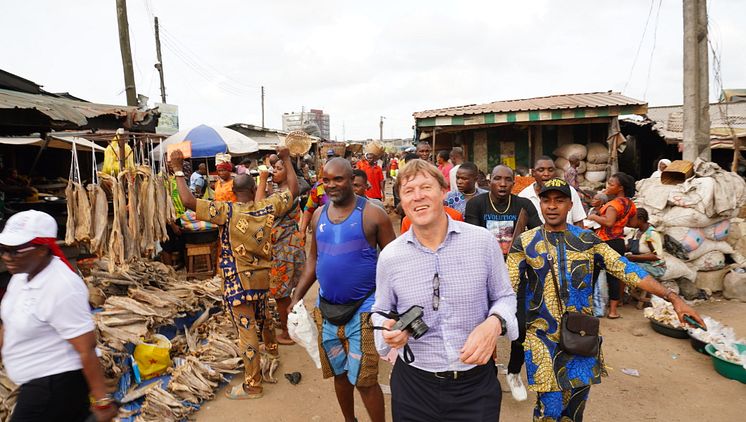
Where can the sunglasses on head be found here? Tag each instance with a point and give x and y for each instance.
(16, 250)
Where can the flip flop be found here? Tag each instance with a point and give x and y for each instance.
(614, 316)
(237, 392)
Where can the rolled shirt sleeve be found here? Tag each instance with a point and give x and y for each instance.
(502, 298)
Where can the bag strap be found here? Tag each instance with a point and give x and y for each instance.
(550, 259)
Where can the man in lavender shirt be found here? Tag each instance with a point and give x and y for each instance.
(456, 272)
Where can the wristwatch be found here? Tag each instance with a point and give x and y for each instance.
(179, 173)
(503, 326)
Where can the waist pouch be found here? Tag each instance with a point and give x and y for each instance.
(340, 314)
(579, 334)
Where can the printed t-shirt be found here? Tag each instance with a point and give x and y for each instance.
(501, 221)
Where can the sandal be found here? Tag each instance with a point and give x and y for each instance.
(285, 341)
(613, 316)
(238, 392)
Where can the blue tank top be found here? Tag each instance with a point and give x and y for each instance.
(346, 263)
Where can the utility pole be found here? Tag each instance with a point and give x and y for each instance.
(696, 82)
(262, 106)
(159, 65)
(380, 129)
(124, 46)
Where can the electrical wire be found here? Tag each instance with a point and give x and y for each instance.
(639, 46)
(652, 51)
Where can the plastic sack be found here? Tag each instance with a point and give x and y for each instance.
(153, 359)
(303, 331)
(600, 295)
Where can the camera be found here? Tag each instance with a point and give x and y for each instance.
(411, 320)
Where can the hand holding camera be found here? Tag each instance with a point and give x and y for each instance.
(394, 338)
(397, 331)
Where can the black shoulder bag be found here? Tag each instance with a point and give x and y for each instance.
(578, 331)
(340, 314)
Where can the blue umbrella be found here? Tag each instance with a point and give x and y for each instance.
(207, 141)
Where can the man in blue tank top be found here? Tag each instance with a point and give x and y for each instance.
(343, 257)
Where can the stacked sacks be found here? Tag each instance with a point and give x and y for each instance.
(697, 214)
(598, 163)
(563, 154)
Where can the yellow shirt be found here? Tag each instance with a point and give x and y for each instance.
(111, 158)
(245, 242)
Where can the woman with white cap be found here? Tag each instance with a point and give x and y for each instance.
(662, 164)
(47, 335)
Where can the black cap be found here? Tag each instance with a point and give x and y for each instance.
(558, 185)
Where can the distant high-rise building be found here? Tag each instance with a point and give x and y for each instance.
(311, 121)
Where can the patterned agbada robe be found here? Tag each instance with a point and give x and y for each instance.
(245, 243)
(576, 253)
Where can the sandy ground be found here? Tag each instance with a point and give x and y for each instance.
(675, 383)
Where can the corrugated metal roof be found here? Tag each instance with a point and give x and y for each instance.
(669, 121)
(554, 102)
(61, 109)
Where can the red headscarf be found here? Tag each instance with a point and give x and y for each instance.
(225, 166)
(51, 243)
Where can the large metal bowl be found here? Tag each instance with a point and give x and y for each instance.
(669, 331)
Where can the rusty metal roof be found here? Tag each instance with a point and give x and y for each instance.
(62, 109)
(553, 102)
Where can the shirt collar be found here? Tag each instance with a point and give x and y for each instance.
(452, 228)
(38, 281)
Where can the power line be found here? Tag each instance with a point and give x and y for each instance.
(639, 46)
(652, 51)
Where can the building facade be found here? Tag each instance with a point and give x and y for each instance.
(306, 120)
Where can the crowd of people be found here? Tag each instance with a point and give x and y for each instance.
(515, 257)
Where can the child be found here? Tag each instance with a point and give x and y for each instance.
(597, 202)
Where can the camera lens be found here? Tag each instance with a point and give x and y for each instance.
(418, 328)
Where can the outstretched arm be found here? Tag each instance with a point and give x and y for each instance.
(177, 163)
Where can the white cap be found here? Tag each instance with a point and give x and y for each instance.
(26, 226)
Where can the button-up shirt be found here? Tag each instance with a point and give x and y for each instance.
(575, 254)
(473, 285)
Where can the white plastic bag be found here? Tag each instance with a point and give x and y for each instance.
(303, 331)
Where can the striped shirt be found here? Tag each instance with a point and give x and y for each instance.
(473, 285)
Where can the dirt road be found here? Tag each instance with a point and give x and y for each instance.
(675, 384)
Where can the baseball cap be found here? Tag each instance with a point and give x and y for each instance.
(26, 226)
(558, 185)
(330, 152)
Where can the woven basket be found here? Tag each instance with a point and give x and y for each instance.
(374, 147)
(298, 142)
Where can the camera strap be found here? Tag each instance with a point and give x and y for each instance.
(407, 351)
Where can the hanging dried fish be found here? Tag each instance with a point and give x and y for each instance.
(115, 251)
(82, 214)
(70, 223)
(99, 218)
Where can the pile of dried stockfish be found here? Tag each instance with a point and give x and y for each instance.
(8, 395)
(160, 405)
(194, 381)
(139, 272)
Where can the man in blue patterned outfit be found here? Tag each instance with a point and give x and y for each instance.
(562, 380)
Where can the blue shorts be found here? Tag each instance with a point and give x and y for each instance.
(349, 349)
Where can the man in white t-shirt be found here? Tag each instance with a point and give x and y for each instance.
(48, 335)
(457, 158)
(544, 170)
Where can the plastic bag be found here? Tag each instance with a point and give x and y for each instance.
(303, 331)
(153, 359)
(600, 295)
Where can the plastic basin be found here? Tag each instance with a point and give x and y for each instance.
(727, 369)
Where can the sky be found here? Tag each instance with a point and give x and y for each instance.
(359, 61)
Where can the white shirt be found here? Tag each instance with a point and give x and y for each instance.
(577, 213)
(452, 177)
(39, 316)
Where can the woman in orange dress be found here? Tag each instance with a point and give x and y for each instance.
(224, 184)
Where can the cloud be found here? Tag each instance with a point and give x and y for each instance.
(359, 61)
